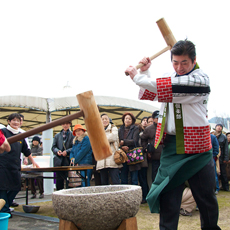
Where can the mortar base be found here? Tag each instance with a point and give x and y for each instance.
(127, 224)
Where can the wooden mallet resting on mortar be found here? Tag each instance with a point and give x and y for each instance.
(2, 203)
(168, 36)
(89, 110)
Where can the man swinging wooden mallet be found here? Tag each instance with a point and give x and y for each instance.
(184, 129)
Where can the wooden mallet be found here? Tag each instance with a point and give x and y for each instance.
(89, 110)
(2, 203)
(168, 36)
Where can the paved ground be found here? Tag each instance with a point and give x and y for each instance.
(25, 221)
(22, 200)
(20, 221)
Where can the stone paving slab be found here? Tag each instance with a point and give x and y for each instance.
(28, 221)
(22, 199)
(25, 221)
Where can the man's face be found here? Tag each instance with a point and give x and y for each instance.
(218, 128)
(182, 64)
(65, 126)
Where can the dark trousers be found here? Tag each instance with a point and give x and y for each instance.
(142, 175)
(216, 176)
(8, 196)
(155, 166)
(202, 185)
(223, 177)
(97, 178)
(39, 183)
(61, 176)
(125, 175)
(113, 173)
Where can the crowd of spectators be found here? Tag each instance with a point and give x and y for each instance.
(76, 145)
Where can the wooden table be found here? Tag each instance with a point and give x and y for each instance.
(31, 173)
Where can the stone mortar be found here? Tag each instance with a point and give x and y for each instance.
(97, 207)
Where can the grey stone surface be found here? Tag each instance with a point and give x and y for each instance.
(97, 207)
(27, 221)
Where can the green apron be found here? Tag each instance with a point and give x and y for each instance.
(174, 170)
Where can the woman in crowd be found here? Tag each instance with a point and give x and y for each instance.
(108, 167)
(150, 121)
(10, 163)
(82, 151)
(128, 137)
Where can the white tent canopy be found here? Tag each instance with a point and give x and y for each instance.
(38, 110)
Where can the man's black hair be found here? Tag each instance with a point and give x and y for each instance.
(184, 47)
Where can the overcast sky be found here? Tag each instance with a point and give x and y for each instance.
(45, 45)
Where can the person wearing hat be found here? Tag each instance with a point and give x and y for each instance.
(62, 146)
(223, 159)
(36, 150)
(155, 115)
(82, 151)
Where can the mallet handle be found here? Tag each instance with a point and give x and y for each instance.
(96, 132)
(49, 125)
(2, 203)
(152, 57)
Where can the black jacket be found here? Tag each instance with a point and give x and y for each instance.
(148, 136)
(223, 143)
(132, 141)
(132, 138)
(10, 164)
(59, 144)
